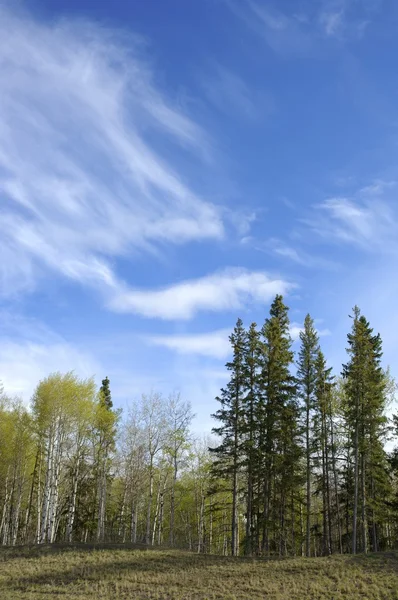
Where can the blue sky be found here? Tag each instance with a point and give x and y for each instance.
(166, 167)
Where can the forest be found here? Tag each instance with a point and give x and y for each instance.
(297, 464)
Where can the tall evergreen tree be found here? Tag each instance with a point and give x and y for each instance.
(228, 456)
(322, 444)
(306, 376)
(364, 412)
(250, 406)
(278, 429)
(105, 434)
(105, 394)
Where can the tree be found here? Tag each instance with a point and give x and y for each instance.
(306, 376)
(54, 404)
(179, 417)
(16, 449)
(83, 413)
(153, 417)
(365, 385)
(279, 420)
(323, 442)
(250, 407)
(228, 458)
(104, 443)
(133, 467)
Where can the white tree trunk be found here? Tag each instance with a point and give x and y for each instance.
(72, 503)
(47, 489)
(4, 516)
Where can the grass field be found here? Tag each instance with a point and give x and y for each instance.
(66, 574)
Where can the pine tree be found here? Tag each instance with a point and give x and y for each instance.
(306, 375)
(228, 456)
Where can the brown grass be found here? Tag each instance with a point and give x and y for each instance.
(66, 573)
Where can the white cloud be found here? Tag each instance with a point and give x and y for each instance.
(332, 22)
(292, 34)
(286, 35)
(368, 219)
(242, 221)
(229, 93)
(214, 344)
(22, 365)
(80, 184)
(296, 328)
(346, 19)
(286, 251)
(299, 256)
(29, 351)
(230, 289)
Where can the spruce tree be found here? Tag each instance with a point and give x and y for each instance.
(105, 434)
(250, 407)
(306, 377)
(278, 425)
(322, 444)
(105, 394)
(228, 455)
(364, 412)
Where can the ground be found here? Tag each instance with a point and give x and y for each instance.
(113, 573)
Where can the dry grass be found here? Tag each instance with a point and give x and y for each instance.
(66, 573)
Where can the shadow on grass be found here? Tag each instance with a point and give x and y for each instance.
(36, 550)
(380, 562)
(109, 566)
(60, 575)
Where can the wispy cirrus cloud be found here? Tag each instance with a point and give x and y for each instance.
(81, 179)
(332, 22)
(293, 253)
(299, 256)
(230, 289)
(285, 34)
(230, 93)
(300, 33)
(346, 19)
(369, 219)
(214, 344)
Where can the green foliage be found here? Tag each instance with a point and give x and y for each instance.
(298, 462)
(230, 413)
(105, 394)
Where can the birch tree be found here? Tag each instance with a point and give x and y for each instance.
(179, 418)
(53, 408)
(82, 418)
(154, 422)
(16, 445)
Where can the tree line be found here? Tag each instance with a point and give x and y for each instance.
(303, 450)
(72, 470)
(297, 465)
